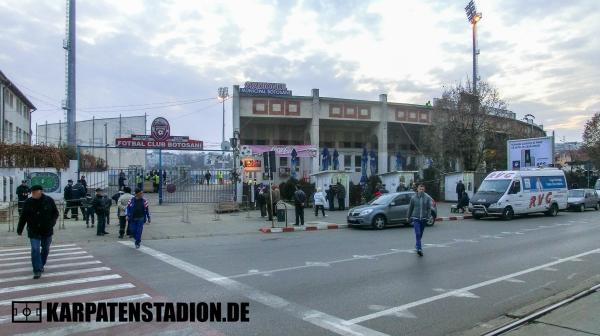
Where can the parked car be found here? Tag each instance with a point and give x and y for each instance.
(581, 199)
(386, 210)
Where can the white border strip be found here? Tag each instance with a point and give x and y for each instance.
(29, 248)
(85, 291)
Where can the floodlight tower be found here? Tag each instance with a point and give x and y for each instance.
(69, 46)
(474, 17)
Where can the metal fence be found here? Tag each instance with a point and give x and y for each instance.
(193, 187)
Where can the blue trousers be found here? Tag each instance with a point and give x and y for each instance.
(40, 248)
(419, 226)
(136, 226)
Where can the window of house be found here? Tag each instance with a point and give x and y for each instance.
(347, 161)
(283, 162)
(357, 163)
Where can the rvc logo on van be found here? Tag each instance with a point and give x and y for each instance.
(537, 200)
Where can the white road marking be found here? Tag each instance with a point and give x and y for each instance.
(468, 288)
(570, 277)
(253, 271)
(29, 248)
(356, 256)
(317, 264)
(58, 283)
(80, 327)
(56, 274)
(49, 260)
(53, 254)
(402, 314)
(514, 280)
(51, 249)
(550, 269)
(323, 320)
(22, 269)
(465, 294)
(72, 293)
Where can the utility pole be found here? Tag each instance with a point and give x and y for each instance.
(474, 17)
(106, 143)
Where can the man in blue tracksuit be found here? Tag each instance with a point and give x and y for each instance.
(138, 214)
(419, 212)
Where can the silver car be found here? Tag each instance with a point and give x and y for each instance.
(581, 199)
(387, 210)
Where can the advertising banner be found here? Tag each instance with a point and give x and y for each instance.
(534, 152)
(280, 150)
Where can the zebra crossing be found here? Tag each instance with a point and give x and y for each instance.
(71, 275)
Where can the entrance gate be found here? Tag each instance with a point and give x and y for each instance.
(178, 183)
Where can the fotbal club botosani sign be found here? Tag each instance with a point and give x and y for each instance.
(160, 138)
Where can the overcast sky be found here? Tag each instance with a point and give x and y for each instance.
(542, 55)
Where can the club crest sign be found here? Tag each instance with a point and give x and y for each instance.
(160, 129)
(160, 138)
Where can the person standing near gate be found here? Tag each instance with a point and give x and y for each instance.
(207, 177)
(84, 184)
(261, 201)
(122, 179)
(68, 196)
(101, 206)
(122, 203)
(79, 196)
(138, 214)
(40, 215)
(139, 181)
(22, 195)
(299, 199)
(419, 212)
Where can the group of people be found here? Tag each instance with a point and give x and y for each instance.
(219, 175)
(267, 199)
(39, 213)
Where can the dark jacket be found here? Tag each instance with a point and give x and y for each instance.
(78, 191)
(460, 187)
(299, 198)
(420, 206)
(101, 204)
(68, 192)
(340, 191)
(23, 192)
(40, 217)
(464, 200)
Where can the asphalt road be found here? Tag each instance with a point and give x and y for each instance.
(363, 282)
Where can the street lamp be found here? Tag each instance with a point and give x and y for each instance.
(223, 94)
(106, 144)
(473, 16)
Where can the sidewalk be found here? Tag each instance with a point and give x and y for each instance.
(168, 223)
(578, 318)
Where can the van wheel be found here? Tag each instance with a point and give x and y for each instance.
(553, 211)
(477, 216)
(581, 208)
(379, 222)
(508, 213)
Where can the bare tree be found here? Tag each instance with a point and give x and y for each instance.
(465, 126)
(591, 139)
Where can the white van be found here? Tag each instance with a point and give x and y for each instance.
(510, 193)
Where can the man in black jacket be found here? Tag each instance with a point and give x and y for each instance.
(40, 215)
(22, 195)
(460, 189)
(68, 195)
(101, 206)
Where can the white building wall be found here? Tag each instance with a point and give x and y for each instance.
(17, 118)
(92, 133)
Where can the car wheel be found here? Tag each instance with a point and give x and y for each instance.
(379, 222)
(553, 211)
(508, 213)
(477, 216)
(431, 220)
(581, 207)
(597, 207)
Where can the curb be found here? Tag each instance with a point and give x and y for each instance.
(303, 228)
(452, 218)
